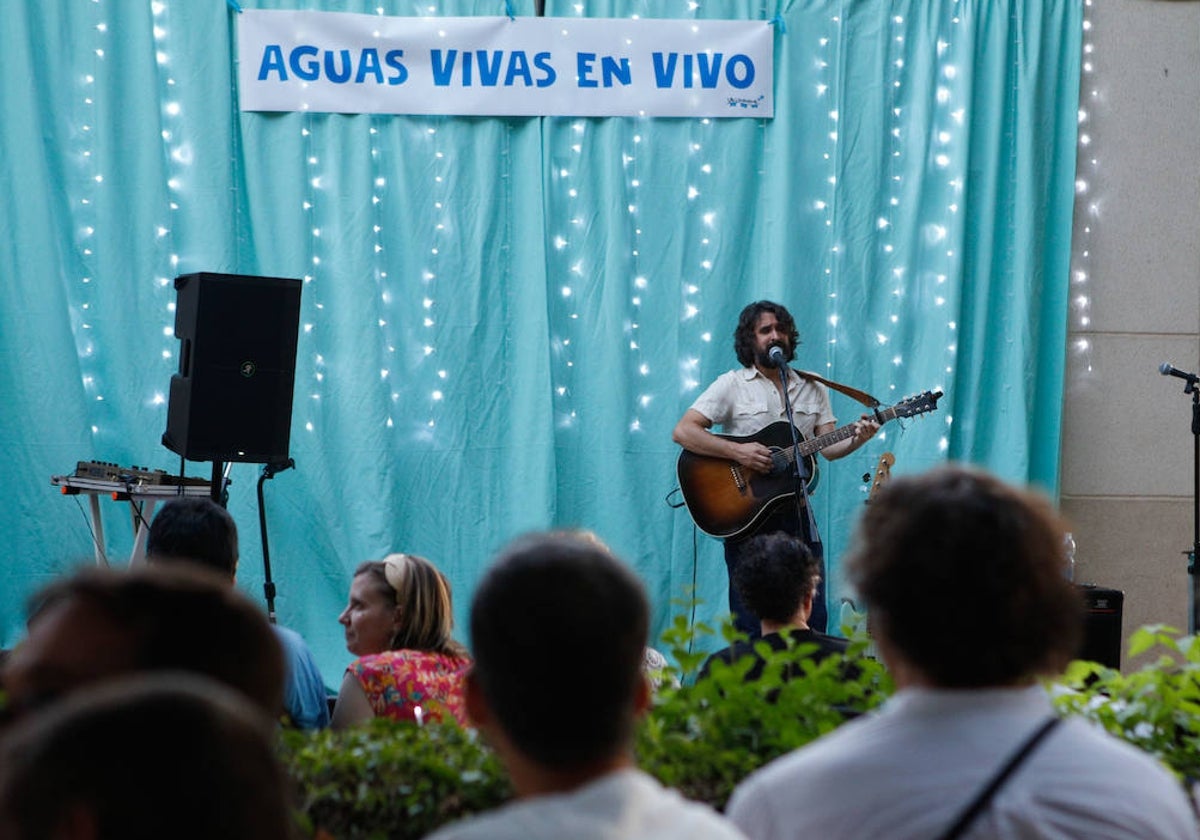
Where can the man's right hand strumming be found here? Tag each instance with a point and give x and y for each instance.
(754, 456)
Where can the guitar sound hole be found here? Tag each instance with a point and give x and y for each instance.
(779, 462)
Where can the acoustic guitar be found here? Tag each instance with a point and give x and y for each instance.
(726, 499)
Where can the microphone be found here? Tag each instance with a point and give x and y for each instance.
(1167, 370)
(776, 355)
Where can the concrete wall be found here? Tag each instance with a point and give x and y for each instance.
(1127, 474)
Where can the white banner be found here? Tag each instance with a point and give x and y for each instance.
(497, 66)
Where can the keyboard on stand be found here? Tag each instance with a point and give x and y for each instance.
(142, 487)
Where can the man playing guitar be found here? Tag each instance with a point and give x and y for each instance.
(745, 401)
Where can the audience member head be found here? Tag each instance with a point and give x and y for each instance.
(777, 577)
(744, 340)
(559, 598)
(194, 529)
(399, 603)
(101, 623)
(964, 578)
(163, 755)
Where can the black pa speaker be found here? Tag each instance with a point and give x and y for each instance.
(1102, 625)
(232, 397)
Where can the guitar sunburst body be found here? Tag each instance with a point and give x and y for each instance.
(726, 499)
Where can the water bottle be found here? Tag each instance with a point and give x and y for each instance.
(1069, 550)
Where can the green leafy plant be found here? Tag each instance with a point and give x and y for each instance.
(1155, 708)
(389, 779)
(397, 780)
(705, 736)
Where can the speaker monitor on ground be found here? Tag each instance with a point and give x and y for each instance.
(1102, 625)
(232, 397)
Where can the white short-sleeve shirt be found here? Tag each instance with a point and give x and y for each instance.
(618, 806)
(744, 401)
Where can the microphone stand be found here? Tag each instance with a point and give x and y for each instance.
(268, 471)
(801, 496)
(1194, 588)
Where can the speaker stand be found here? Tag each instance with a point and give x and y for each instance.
(268, 472)
(220, 494)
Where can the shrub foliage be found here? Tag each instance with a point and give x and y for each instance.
(1156, 707)
(391, 779)
(396, 780)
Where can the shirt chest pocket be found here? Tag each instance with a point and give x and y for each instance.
(752, 405)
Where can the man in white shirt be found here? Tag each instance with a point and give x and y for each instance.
(747, 403)
(558, 631)
(969, 604)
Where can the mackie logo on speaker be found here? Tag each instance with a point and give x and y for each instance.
(249, 369)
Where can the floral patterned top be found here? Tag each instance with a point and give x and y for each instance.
(397, 681)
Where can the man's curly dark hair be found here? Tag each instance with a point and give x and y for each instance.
(965, 577)
(743, 336)
(776, 573)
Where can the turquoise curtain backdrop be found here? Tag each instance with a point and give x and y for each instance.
(502, 319)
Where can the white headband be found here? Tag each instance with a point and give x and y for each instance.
(393, 569)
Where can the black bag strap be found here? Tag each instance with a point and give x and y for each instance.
(972, 811)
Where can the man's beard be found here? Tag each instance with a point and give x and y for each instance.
(761, 357)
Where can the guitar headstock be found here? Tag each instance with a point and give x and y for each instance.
(883, 471)
(919, 404)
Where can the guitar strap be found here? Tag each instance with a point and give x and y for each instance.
(854, 394)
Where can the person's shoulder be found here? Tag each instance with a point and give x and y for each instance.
(665, 812)
(733, 375)
(1106, 753)
(756, 799)
(830, 755)
(376, 662)
(362, 665)
(836, 643)
(297, 653)
(697, 821)
(290, 639)
(786, 782)
(723, 655)
(492, 825)
(807, 381)
(1092, 765)
(428, 661)
(793, 636)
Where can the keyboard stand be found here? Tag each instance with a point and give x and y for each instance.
(142, 498)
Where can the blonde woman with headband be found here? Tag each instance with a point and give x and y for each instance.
(398, 623)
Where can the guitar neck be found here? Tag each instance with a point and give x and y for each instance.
(816, 444)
